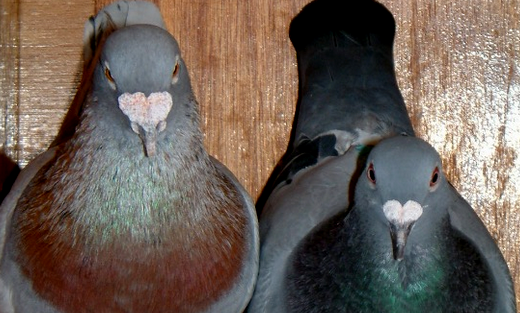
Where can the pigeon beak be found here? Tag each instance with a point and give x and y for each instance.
(399, 235)
(401, 219)
(149, 136)
(147, 115)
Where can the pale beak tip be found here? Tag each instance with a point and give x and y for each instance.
(150, 148)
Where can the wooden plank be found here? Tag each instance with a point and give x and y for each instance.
(9, 64)
(457, 65)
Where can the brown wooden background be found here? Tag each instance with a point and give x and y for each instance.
(457, 64)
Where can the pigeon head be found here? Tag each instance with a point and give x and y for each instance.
(140, 68)
(402, 179)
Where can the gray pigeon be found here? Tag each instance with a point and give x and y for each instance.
(360, 217)
(130, 214)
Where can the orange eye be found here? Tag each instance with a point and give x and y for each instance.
(435, 177)
(175, 72)
(371, 173)
(109, 75)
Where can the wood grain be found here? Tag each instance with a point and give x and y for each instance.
(457, 65)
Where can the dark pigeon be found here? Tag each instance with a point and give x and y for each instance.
(360, 217)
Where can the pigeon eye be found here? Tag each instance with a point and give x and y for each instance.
(435, 177)
(371, 174)
(109, 77)
(175, 73)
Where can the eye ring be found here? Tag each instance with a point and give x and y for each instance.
(371, 173)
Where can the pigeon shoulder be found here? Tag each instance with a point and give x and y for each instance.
(465, 220)
(22, 181)
(238, 297)
(6, 211)
(294, 209)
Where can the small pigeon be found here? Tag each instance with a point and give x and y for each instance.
(130, 214)
(361, 217)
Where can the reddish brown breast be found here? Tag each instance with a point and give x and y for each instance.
(160, 275)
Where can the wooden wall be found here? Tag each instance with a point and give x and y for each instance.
(457, 64)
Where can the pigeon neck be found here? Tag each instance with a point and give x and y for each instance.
(363, 276)
(436, 264)
(134, 192)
